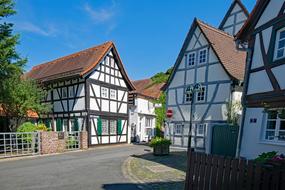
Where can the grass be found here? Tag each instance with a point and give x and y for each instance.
(172, 178)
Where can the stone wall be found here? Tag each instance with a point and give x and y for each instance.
(54, 142)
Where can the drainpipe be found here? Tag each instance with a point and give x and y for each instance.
(248, 60)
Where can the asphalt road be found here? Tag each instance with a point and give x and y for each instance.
(93, 169)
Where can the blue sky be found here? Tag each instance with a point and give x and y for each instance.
(148, 33)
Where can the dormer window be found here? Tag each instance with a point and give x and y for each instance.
(280, 44)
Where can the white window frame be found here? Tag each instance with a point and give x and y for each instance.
(62, 92)
(277, 40)
(107, 127)
(198, 95)
(148, 122)
(188, 97)
(192, 59)
(276, 131)
(113, 127)
(113, 94)
(104, 92)
(206, 55)
(178, 129)
(199, 127)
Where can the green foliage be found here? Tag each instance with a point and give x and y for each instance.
(18, 96)
(71, 142)
(21, 96)
(265, 156)
(233, 109)
(10, 61)
(27, 127)
(160, 114)
(41, 127)
(159, 141)
(161, 77)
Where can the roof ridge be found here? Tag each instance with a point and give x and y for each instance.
(214, 28)
(75, 54)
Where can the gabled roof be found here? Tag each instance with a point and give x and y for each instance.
(78, 64)
(230, 10)
(145, 87)
(248, 27)
(224, 47)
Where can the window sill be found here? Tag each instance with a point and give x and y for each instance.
(272, 143)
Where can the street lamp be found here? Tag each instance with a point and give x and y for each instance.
(190, 90)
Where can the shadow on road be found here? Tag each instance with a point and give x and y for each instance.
(150, 186)
(176, 159)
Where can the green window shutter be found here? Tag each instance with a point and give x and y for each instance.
(76, 124)
(119, 126)
(58, 125)
(99, 126)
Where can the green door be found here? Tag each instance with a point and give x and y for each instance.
(224, 140)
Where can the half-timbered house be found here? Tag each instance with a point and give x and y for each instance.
(142, 111)
(264, 118)
(88, 90)
(209, 57)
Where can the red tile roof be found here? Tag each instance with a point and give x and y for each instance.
(145, 87)
(224, 46)
(77, 64)
(30, 114)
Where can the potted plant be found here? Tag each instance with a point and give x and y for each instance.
(160, 146)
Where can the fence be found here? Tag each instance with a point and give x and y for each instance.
(73, 140)
(217, 172)
(19, 144)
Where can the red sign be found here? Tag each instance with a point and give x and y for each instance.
(169, 113)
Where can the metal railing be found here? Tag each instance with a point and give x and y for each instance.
(19, 144)
(73, 140)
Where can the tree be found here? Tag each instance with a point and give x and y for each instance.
(10, 61)
(160, 113)
(21, 97)
(18, 95)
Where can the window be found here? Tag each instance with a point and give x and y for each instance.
(178, 129)
(65, 125)
(203, 56)
(275, 126)
(105, 127)
(113, 94)
(104, 92)
(64, 92)
(113, 127)
(71, 92)
(188, 97)
(148, 122)
(200, 129)
(280, 44)
(191, 59)
(201, 95)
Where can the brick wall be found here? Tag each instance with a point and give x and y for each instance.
(51, 143)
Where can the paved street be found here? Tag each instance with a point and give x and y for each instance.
(93, 169)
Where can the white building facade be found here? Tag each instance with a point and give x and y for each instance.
(142, 120)
(208, 57)
(142, 111)
(264, 119)
(88, 91)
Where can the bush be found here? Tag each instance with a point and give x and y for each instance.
(27, 127)
(266, 156)
(41, 127)
(159, 141)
